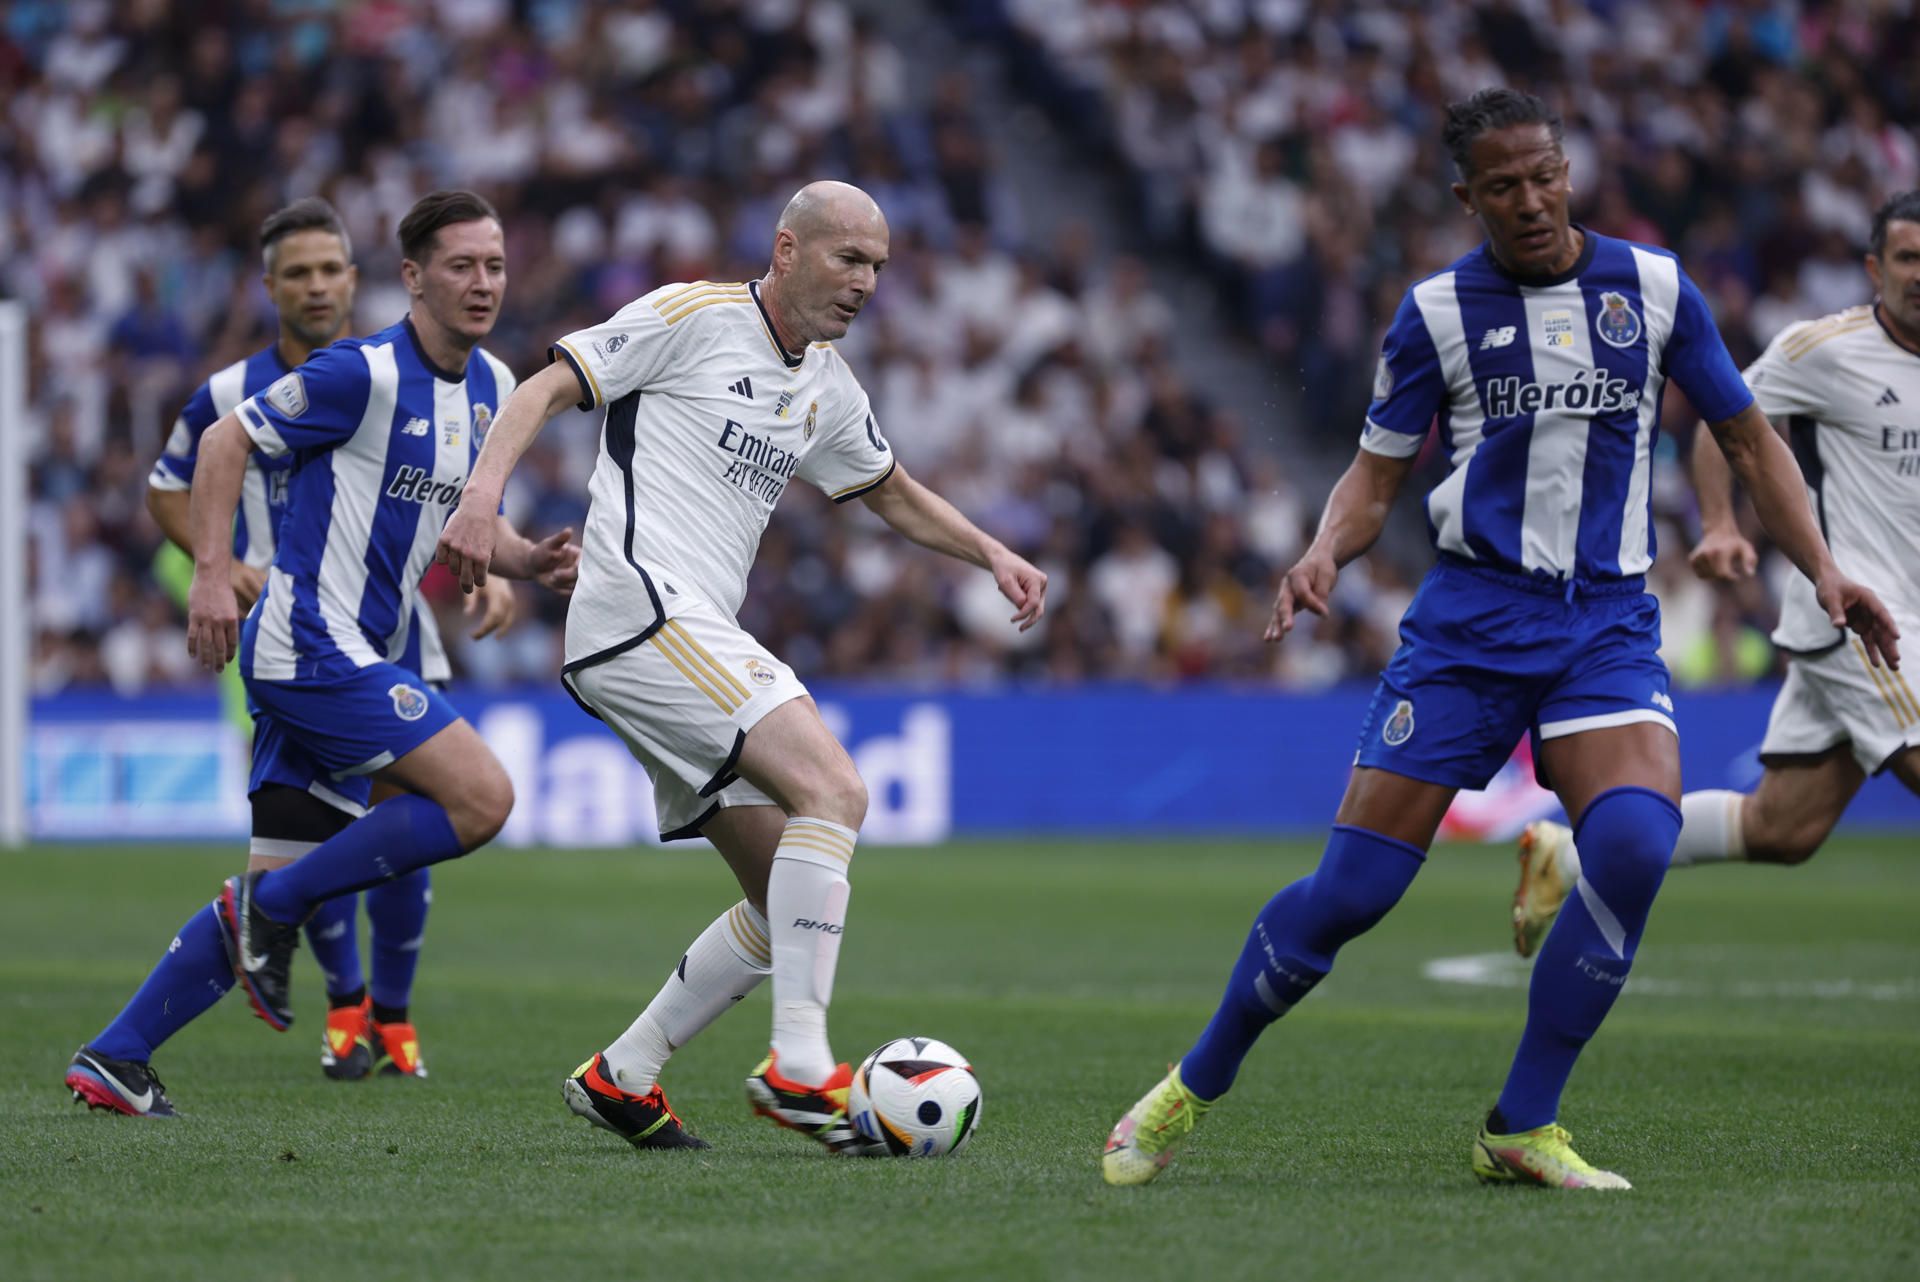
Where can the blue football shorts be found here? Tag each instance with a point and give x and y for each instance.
(328, 736)
(1488, 655)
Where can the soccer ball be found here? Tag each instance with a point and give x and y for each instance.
(916, 1096)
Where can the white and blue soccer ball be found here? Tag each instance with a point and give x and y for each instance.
(916, 1096)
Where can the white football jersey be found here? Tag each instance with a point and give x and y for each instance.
(707, 420)
(1850, 396)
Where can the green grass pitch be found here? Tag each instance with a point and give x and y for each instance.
(1759, 1082)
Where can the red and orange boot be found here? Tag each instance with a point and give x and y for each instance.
(396, 1049)
(346, 1044)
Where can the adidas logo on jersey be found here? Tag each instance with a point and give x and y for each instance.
(743, 388)
(1506, 397)
(416, 427)
(1501, 337)
(1888, 398)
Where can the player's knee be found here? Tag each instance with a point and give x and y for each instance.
(484, 806)
(1626, 841)
(843, 798)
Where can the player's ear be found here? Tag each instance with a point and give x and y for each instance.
(1874, 275)
(1460, 194)
(409, 276)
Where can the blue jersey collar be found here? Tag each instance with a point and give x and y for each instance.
(444, 376)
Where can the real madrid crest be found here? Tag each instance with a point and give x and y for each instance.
(813, 411)
(1618, 324)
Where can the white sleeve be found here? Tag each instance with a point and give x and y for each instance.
(1786, 377)
(852, 457)
(622, 354)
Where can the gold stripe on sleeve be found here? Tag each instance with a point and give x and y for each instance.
(685, 312)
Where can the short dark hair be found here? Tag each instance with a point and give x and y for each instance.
(1492, 109)
(309, 213)
(1901, 207)
(436, 210)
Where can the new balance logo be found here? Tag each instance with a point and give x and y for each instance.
(1502, 337)
(416, 427)
(743, 388)
(1888, 398)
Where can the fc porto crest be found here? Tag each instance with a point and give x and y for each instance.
(409, 704)
(1618, 324)
(482, 419)
(813, 412)
(1399, 727)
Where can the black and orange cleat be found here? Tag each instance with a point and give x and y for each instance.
(644, 1121)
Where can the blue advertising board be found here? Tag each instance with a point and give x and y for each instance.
(1120, 761)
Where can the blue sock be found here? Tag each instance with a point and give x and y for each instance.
(398, 911)
(333, 932)
(193, 975)
(389, 841)
(1626, 840)
(1292, 945)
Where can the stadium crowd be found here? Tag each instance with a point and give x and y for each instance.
(1292, 146)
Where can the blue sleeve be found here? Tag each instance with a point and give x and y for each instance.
(1698, 360)
(317, 407)
(1408, 387)
(174, 469)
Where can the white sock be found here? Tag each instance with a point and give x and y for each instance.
(724, 964)
(1710, 828)
(807, 906)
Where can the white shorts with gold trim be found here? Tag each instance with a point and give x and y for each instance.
(683, 701)
(1838, 697)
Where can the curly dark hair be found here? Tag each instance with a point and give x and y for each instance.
(1492, 109)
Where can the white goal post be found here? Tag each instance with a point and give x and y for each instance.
(15, 633)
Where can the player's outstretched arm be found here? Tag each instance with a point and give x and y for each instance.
(467, 543)
(213, 616)
(932, 522)
(1765, 467)
(1356, 513)
(1723, 553)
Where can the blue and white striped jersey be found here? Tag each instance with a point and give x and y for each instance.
(263, 491)
(1548, 397)
(383, 442)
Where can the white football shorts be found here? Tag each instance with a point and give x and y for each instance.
(683, 701)
(1838, 697)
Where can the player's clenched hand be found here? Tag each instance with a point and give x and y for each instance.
(1849, 604)
(466, 544)
(497, 607)
(1307, 586)
(247, 583)
(1021, 582)
(213, 622)
(555, 562)
(1723, 555)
